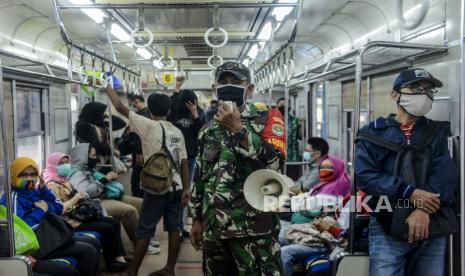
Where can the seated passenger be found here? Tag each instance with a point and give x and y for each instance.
(32, 200)
(92, 128)
(84, 160)
(333, 178)
(317, 149)
(58, 168)
(322, 236)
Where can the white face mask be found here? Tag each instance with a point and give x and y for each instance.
(416, 104)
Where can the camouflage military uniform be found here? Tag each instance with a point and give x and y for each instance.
(232, 229)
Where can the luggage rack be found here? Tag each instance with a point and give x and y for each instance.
(14, 63)
(376, 56)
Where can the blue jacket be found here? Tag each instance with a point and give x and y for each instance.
(374, 165)
(23, 204)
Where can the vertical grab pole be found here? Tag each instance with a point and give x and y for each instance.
(462, 138)
(355, 127)
(6, 162)
(110, 109)
(286, 119)
(68, 95)
(450, 239)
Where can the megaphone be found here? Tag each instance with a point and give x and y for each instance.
(267, 190)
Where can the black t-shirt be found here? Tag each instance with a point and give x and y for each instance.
(189, 127)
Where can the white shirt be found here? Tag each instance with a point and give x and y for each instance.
(150, 133)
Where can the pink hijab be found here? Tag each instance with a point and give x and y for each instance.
(50, 172)
(339, 185)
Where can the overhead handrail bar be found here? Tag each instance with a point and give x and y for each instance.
(288, 43)
(72, 44)
(356, 52)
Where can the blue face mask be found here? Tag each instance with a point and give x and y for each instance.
(307, 156)
(64, 169)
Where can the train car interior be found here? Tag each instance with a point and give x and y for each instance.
(82, 76)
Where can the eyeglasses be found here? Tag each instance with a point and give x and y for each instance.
(30, 175)
(418, 89)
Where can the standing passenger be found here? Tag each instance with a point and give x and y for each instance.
(236, 239)
(156, 205)
(185, 116)
(413, 92)
(294, 133)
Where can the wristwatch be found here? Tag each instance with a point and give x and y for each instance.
(240, 135)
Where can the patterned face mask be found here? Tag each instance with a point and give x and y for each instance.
(25, 183)
(326, 175)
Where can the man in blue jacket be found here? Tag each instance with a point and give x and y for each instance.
(413, 92)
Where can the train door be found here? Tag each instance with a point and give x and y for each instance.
(316, 108)
(30, 104)
(348, 89)
(348, 134)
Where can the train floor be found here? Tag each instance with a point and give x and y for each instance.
(189, 260)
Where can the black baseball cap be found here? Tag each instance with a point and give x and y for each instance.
(414, 75)
(238, 69)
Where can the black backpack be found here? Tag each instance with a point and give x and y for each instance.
(413, 165)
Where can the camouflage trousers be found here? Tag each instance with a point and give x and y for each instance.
(243, 256)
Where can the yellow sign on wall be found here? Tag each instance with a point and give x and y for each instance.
(168, 77)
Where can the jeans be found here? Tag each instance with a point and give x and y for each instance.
(294, 253)
(391, 257)
(191, 178)
(282, 233)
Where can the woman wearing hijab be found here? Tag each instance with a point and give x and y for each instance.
(55, 176)
(92, 128)
(84, 160)
(333, 178)
(31, 201)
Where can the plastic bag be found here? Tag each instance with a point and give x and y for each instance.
(25, 238)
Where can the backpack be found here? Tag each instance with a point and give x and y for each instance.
(157, 173)
(413, 164)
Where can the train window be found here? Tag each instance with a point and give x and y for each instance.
(28, 108)
(33, 147)
(74, 115)
(319, 110)
(29, 125)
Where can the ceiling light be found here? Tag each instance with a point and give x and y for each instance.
(253, 51)
(266, 31)
(157, 64)
(282, 12)
(95, 14)
(119, 33)
(144, 53)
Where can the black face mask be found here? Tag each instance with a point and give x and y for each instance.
(92, 162)
(282, 109)
(233, 93)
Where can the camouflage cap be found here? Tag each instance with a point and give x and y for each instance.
(238, 69)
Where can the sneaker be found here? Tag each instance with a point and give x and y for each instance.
(152, 250)
(154, 243)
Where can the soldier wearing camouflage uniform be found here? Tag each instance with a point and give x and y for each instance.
(236, 239)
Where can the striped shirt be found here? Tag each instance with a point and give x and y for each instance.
(407, 130)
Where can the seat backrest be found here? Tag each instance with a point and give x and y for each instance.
(352, 265)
